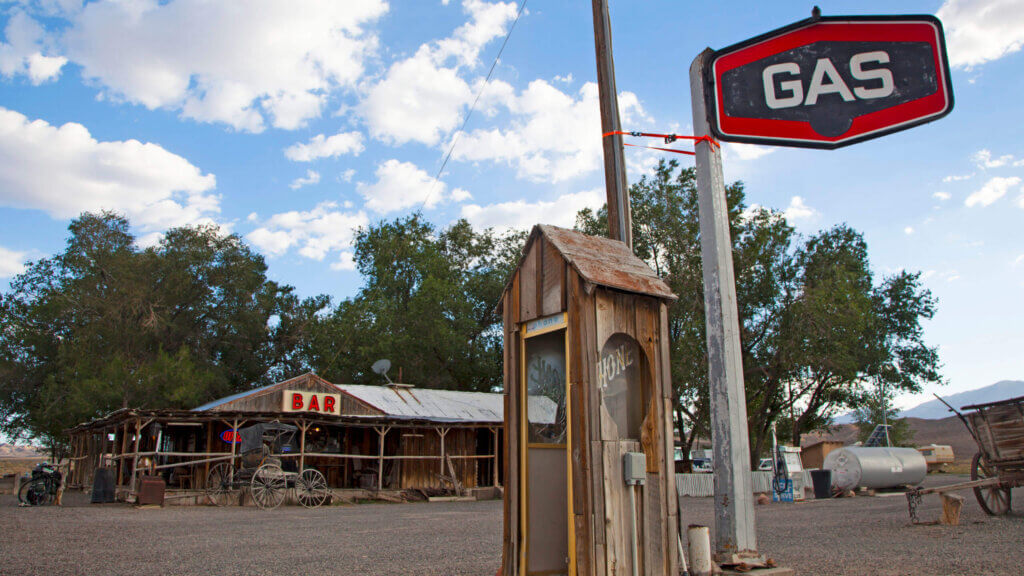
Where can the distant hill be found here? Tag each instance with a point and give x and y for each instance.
(12, 451)
(933, 409)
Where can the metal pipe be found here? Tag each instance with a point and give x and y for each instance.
(636, 537)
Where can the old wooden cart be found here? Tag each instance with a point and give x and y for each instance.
(260, 472)
(998, 467)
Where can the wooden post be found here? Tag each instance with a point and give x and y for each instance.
(494, 471)
(302, 443)
(381, 433)
(442, 432)
(619, 219)
(735, 536)
(135, 458)
(209, 448)
(951, 506)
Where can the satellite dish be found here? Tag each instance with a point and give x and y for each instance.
(381, 367)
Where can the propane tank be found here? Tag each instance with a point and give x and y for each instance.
(881, 467)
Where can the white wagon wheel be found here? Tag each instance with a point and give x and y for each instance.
(220, 484)
(994, 500)
(268, 486)
(311, 488)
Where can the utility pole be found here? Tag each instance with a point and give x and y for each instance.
(620, 225)
(735, 536)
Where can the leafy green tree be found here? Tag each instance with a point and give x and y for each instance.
(106, 325)
(427, 304)
(815, 331)
(875, 408)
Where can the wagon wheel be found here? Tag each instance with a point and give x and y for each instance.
(220, 484)
(311, 488)
(268, 486)
(994, 500)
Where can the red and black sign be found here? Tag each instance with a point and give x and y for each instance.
(831, 81)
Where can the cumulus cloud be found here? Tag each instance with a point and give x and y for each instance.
(908, 230)
(315, 233)
(520, 214)
(941, 196)
(22, 52)
(422, 98)
(240, 63)
(978, 31)
(983, 158)
(747, 151)
(551, 137)
(402, 185)
(320, 146)
(12, 262)
(798, 210)
(65, 171)
(311, 177)
(957, 177)
(993, 190)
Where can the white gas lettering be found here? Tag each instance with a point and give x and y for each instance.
(794, 87)
(883, 74)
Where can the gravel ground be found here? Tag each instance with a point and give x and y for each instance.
(864, 535)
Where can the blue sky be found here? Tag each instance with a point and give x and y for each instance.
(292, 123)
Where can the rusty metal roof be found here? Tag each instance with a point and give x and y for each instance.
(604, 261)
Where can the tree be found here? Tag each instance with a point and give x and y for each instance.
(875, 408)
(427, 304)
(106, 325)
(814, 330)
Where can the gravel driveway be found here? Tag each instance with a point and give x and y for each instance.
(864, 535)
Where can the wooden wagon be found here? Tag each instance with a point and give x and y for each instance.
(998, 467)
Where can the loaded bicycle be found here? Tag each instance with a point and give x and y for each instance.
(41, 488)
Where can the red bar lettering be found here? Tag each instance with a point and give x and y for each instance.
(329, 404)
(314, 406)
(296, 401)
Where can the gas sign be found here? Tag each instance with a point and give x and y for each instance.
(829, 82)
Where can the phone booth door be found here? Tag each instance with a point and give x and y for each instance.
(546, 448)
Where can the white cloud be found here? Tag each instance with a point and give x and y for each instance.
(315, 233)
(422, 98)
(1020, 201)
(993, 190)
(747, 151)
(978, 31)
(908, 230)
(1019, 163)
(983, 158)
(12, 262)
(552, 136)
(22, 53)
(239, 63)
(798, 210)
(65, 171)
(941, 196)
(402, 185)
(957, 177)
(522, 215)
(1018, 261)
(345, 261)
(567, 79)
(320, 146)
(347, 175)
(311, 177)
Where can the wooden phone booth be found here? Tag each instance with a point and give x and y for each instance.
(586, 384)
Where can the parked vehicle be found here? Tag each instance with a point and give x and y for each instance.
(41, 488)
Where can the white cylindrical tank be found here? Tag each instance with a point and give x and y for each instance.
(856, 466)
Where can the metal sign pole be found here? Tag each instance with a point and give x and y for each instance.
(735, 538)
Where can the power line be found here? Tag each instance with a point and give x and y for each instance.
(455, 140)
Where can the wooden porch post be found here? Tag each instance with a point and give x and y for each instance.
(135, 458)
(209, 449)
(442, 432)
(381, 432)
(494, 468)
(303, 426)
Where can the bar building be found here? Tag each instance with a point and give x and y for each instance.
(380, 438)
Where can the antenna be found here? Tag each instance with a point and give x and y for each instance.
(381, 367)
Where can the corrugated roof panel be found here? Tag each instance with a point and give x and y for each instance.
(444, 405)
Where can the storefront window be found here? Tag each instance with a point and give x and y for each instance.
(545, 388)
